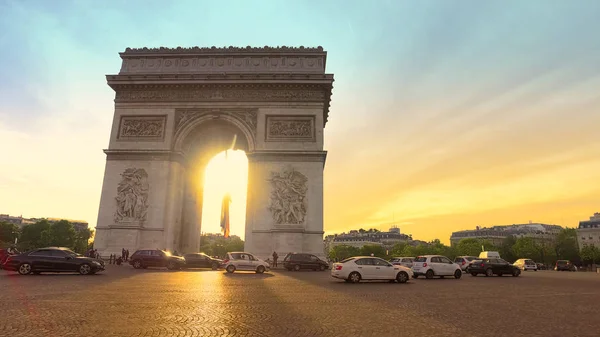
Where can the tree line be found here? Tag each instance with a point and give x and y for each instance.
(219, 246)
(563, 247)
(46, 234)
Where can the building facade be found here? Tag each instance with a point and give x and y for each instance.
(359, 239)
(588, 232)
(542, 233)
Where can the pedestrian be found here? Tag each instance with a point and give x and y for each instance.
(372, 254)
(123, 253)
(110, 259)
(126, 254)
(275, 256)
(119, 261)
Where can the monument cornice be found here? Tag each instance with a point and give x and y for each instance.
(145, 155)
(288, 156)
(231, 60)
(132, 92)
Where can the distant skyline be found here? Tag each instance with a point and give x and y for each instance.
(445, 115)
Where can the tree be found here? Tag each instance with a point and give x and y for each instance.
(32, 236)
(469, 247)
(62, 234)
(376, 250)
(8, 232)
(83, 240)
(589, 253)
(526, 247)
(342, 252)
(219, 246)
(566, 246)
(505, 249)
(397, 249)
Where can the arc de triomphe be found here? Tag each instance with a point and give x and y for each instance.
(176, 108)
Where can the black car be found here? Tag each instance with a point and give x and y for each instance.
(145, 258)
(52, 259)
(201, 260)
(491, 267)
(297, 261)
(564, 265)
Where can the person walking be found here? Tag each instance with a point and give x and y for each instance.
(275, 256)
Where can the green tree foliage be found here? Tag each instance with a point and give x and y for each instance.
(590, 254)
(527, 248)
(376, 250)
(341, 252)
(566, 246)
(220, 246)
(506, 250)
(8, 232)
(62, 234)
(35, 235)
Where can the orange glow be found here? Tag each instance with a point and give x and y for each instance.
(225, 174)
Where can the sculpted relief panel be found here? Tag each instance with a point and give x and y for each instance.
(288, 196)
(142, 127)
(290, 128)
(132, 196)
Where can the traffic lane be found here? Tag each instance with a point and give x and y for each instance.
(535, 303)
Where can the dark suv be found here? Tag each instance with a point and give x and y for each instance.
(145, 258)
(297, 261)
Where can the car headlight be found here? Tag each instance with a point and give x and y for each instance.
(96, 263)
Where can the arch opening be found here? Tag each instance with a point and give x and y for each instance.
(216, 163)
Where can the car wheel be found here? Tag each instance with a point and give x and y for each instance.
(429, 274)
(260, 269)
(230, 268)
(85, 269)
(296, 267)
(516, 273)
(458, 274)
(489, 272)
(354, 277)
(322, 268)
(214, 266)
(402, 277)
(24, 268)
(137, 264)
(473, 274)
(171, 265)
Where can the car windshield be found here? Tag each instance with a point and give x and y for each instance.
(421, 259)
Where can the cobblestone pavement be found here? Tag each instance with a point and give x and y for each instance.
(127, 302)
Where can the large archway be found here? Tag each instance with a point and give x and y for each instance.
(176, 108)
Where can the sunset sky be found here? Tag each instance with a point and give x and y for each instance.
(445, 114)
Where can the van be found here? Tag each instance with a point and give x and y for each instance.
(489, 255)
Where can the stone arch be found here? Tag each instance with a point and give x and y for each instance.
(192, 120)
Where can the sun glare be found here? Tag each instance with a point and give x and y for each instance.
(225, 174)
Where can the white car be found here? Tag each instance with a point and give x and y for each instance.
(359, 268)
(435, 265)
(525, 264)
(244, 262)
(403, 261)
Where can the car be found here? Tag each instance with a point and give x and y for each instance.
(403, 261)
(243, 261)
(54, 260)
(435, 265)
(201, 260)
(541, 266)
(491, 267)
(298, 261)
(363, 268)
(463, 261)
(564, 265)
(144, 258)
(526, 264)
(489, 254)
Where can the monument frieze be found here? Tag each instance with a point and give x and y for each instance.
(288, 196)
(142, 127)
(290, 128)
(248, 117)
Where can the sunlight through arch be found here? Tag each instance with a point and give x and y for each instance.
(225, 174)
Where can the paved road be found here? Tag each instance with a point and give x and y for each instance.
(127, 302)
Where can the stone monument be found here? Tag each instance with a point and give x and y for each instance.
(175, 108)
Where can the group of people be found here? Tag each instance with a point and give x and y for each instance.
(93, 253)
(118, 260)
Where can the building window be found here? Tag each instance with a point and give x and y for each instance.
(583, 238)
